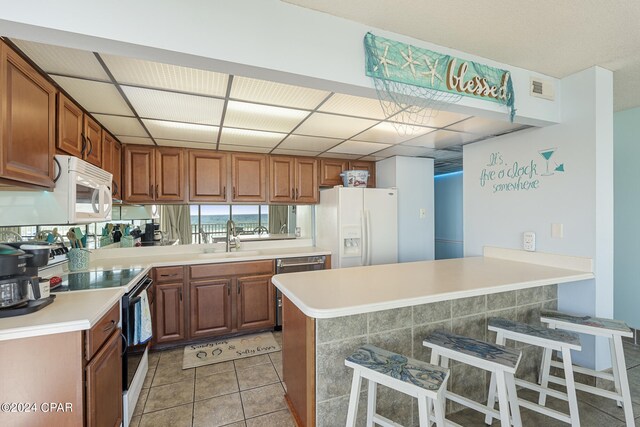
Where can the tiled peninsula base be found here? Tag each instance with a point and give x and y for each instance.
(402, 330)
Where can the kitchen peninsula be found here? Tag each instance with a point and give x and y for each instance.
(328, 314)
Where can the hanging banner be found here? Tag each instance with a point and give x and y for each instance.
(406, 64)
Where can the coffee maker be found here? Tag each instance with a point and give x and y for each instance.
(151, 230)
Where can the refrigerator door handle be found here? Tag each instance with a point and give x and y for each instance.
(363, 242)
(369, 238)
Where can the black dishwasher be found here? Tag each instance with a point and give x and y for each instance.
(294, 265)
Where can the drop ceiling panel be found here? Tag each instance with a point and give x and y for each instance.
(181, 131)
(373, 158)
(442, 139)
(63, 60)
(286, 152)
(340, 156)
(403, 150)
(135, 140)
(95, 97)
(267, 92)
(186, 144)
(137, 72)
(246, 115)
(158, 104)
(309, 143)
(354, 106)
(250, 138)
(118, 125)
(358, 147)
(244, 148)
(333, 126)
(438, 119)
(485, 127)
(390, 133)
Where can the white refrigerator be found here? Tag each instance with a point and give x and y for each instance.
(358, 225)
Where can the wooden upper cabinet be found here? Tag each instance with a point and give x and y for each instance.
(139, 173)
(282, 179)
(170, 175)
(70, 127)
(210, 307)
(93, 137)
(330, 170)
(111, 159)
(207, 176)
(104, 385)
(27, 122)
(117, 170)
(107, 151)
(368, 166)
(256, 308)
(306, 180)
(249, 177)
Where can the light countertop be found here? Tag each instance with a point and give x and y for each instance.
(80, 310)
(347, 291)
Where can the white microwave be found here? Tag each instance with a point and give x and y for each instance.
(85, 189)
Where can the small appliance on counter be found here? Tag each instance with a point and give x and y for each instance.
(21, 290)
(152, 234)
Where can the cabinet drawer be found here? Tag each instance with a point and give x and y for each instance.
(169, 274)
(231, 269)
(98, 334)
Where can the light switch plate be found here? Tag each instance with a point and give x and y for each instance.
(423, 213)
(557, 231)
(529, 241)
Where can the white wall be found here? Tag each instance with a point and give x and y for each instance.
(265, 39)
(413, 177)
(580, 198)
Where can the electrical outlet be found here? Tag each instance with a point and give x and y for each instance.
(422, 213)
(529, 241)
(557, 231)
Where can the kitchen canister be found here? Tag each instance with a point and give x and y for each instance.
(126, 242)
(78, 259)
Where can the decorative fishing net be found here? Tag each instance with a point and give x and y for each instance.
(413, 84)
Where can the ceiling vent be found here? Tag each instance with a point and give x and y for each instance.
(541, 88)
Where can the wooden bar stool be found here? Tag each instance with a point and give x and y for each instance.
(501, 361)
(418, 379)
(549, 339)
(611, 329)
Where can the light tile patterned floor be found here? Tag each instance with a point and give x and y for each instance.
(241, 393)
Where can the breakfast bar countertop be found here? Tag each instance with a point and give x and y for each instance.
(335, 293)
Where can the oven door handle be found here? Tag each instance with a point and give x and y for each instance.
(299, 264)
(126, 344)
(146, 284)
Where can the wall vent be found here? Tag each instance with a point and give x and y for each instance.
(542, 89)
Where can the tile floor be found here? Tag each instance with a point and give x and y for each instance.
(241, 393)
(249, 393)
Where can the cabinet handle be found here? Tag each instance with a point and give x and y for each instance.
(90, 146)
(239, 287)
(228, 289)
(84, 145)
(297, 194)
(293, 194)
(151, 190)
(109, 327)
(180, 293)
(169, 275)
(156, 191)
(224, 192)
(234, 192)
(115, 187)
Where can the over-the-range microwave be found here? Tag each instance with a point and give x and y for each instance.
(82, 194)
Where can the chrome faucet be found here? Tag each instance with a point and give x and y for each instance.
(231, 239)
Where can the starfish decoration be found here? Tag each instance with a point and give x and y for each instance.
(410, 61)
(384, 61)
(433, 73)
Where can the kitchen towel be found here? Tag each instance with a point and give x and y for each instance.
(143, 320)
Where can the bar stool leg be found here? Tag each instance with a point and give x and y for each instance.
(491, 400)
(503, 399)
(544, 374)
(513, 400)
(439, 407)
(616, 371)
(354, 399)
(423, 410)
(624, 381)
(571, 388)
(371, 402)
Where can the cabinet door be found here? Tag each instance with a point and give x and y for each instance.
(365, 166)
(170, 175)
(104, 385)
(169, 306)
(330, 170)
(249, 176)
(207, 176)
(70, 127)
(107, 152)
(93, 135)
(139, 173)
(210, 308)
(256, 302)
(27, 122)
(117, 170)
(306, 180)
(281, 179)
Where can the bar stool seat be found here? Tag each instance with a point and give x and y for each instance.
(550, 340)
(611, 329)
(418, 379)
(497, 359)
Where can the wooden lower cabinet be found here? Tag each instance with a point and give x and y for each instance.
(169, 312)
(210, 307)
(256, 308)
(104, 385)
